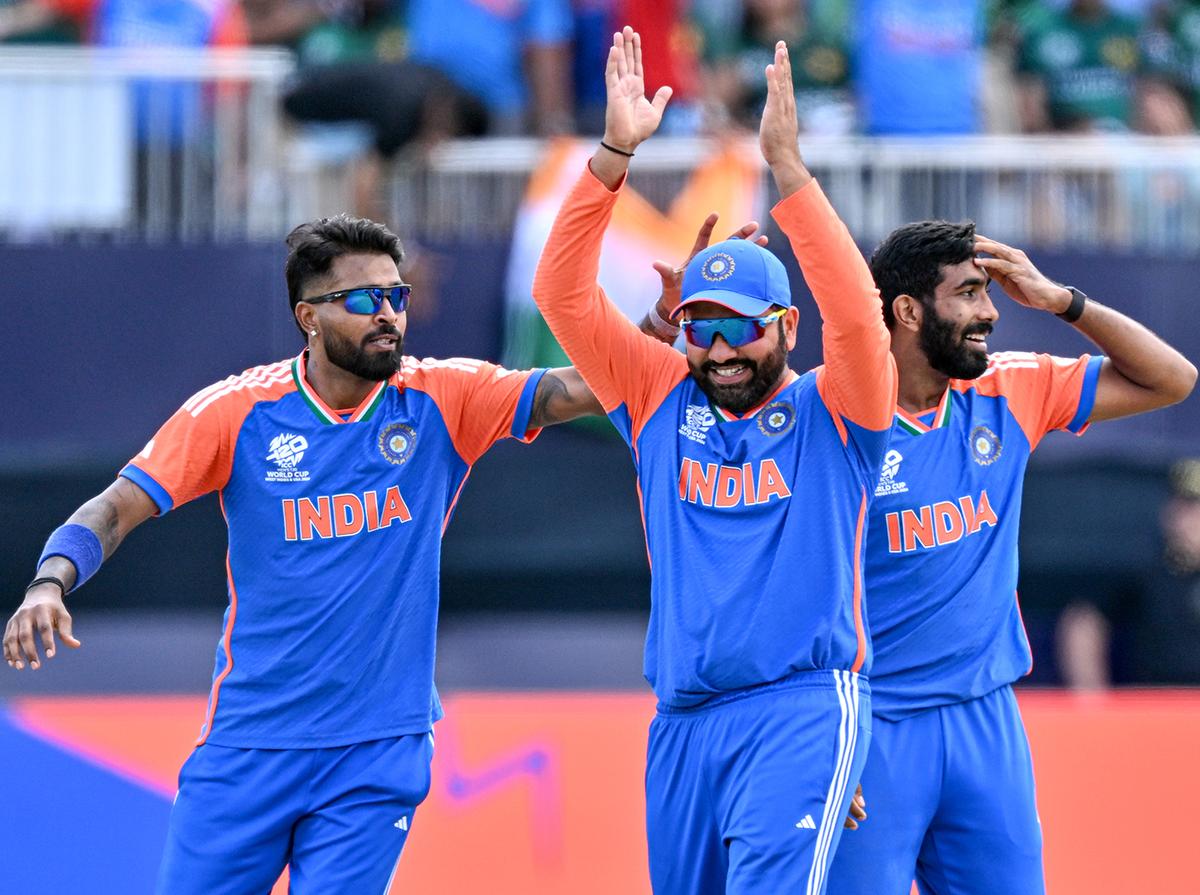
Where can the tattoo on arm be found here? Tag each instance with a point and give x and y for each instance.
(551, 390)
(561, 396)
(100, 514)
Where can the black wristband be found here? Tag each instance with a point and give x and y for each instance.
(1075, 309)
(48, 579)
(617, 151)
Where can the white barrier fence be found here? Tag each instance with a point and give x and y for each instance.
(149, 143)
(191, 145)
(1108, 193)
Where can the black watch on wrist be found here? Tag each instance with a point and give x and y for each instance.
(1075, 309)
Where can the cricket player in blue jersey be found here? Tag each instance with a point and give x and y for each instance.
(338, 471)
(754, 484)
(949, 780)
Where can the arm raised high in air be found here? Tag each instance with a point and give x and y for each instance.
(620, 364)
(859, 374)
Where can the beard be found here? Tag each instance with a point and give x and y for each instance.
(374, 366)
(946, 350)
(740, 398)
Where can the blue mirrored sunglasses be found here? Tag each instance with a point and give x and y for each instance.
(369, 299)
(736, 331)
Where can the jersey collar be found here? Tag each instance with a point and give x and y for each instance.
(910, 423)
(321, 410)
(729, 416)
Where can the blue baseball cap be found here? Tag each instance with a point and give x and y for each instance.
(738, 275)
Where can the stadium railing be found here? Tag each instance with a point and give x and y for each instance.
(182, 144)
(1100, 193)
(154, 144)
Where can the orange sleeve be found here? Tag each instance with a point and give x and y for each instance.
(1044, 392)
(480, 402)
(620, 364)
(859, 371)
(191, 455)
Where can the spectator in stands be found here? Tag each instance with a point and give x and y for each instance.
(917, 65)
(512, 55)
(669, 42)
(1078, 69)
(40, 21)
(1147, 632)
(736, 57)
(355, 70)
(1170, 95)
(1165, 647)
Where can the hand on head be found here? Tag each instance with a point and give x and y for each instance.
(672, 277)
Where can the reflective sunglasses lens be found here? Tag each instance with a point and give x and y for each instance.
(399, 297)
(362, 301)
(736, 331)
(369, 301)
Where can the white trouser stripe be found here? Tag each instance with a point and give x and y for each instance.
(392, 878)
(846, 686)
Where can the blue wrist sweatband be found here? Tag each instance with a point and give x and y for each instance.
(79, 545)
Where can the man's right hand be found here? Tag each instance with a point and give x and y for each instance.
(629, 118)
(779, 131)
(40, 615)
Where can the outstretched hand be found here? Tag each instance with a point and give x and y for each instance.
(39, 617)
(672, 277)
(779, 131)
(629, 117)
(1018, 277)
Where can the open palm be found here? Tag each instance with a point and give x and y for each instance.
(629, 118)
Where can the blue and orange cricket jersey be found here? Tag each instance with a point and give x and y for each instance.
(335, 524)
(942, 542)
(754, 524)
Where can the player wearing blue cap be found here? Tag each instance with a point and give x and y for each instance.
(949, 779)
(754, 484)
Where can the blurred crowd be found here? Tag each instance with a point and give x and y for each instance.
(419, 70)
(1144, 630)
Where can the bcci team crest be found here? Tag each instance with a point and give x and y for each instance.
(397, 442)
(985, 446)
(718, 267)
(776, 418)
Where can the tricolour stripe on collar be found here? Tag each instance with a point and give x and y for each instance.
(321, 410)
(911, 424)
(729, 416)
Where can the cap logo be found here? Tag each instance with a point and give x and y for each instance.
(718, 267)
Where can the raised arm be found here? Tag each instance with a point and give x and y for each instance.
(88, 538)
(1140, 372)
(618, 363)
(860, 375)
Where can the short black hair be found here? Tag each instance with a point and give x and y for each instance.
(910, 260)
(315, 245)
